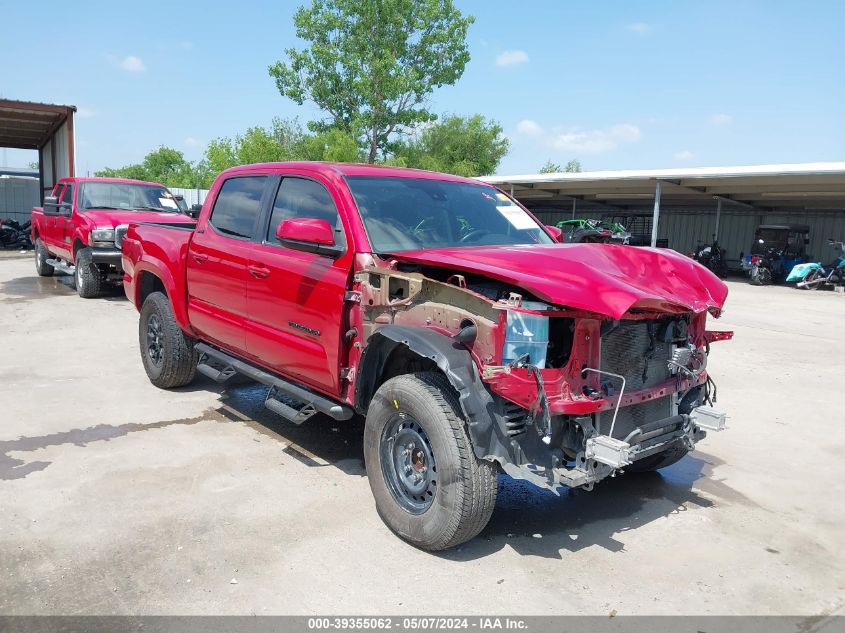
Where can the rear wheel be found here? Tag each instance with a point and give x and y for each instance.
(89, 281)
(658, 461)
(41, 256)
(166, 351)
(764, 276)
(429, 487)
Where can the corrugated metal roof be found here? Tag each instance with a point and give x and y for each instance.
(784, 186)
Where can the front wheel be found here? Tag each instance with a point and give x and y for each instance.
(429, 487)
(89, 281)
(166, 351)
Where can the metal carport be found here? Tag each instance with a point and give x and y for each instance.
(45, 127)
(692, 205)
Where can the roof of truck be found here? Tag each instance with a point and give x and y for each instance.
(357, 169)
(126, 181)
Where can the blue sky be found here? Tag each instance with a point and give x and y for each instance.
(615, 84)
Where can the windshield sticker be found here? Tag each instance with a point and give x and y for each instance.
(518, 218)
(503, 197)
(168, 202)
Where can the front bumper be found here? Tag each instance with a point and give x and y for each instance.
(602, 456)
(106, 256)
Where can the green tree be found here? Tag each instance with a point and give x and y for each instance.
(464, 146)
(573, 166)
(164, 164)
(371, 64)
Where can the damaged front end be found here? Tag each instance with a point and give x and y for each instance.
(555, 394)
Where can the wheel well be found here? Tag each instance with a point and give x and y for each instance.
(148, 284)
(388, 360)
(77, 245)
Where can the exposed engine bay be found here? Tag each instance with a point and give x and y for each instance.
(570, 396)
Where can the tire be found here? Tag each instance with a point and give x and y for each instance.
(167, 352)
(457, 494)
(658, 461)
(89, 282)
(813, 274)
(41, 256)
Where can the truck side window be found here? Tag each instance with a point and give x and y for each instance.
(67, 196)
(303, 198)
(238, 205)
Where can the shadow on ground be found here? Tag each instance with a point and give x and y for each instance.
(26, 289)
(569, 522)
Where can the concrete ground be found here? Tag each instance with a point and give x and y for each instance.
(116, 497)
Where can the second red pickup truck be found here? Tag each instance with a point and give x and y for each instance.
(80, 227)
(439, 308)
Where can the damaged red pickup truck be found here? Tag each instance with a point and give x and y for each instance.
(441, 310)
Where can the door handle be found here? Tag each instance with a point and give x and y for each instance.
(259, 272)
(200, 258)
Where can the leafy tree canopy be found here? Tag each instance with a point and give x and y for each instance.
(371, 64)
(573, 166)
(464, 146)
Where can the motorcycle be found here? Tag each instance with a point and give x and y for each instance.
(813, 275)
(776, 249)
(14, 235)
(712, 257)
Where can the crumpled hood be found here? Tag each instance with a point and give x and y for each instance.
(608, 279)
(110, 218)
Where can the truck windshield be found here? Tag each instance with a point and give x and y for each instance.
(130, 196)
(404, 214)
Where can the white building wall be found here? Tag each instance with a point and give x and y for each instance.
(192, 196)
(18, 194)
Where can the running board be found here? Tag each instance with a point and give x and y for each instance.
(311, 400)
(62, 266)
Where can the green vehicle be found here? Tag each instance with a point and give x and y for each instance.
(596, 231)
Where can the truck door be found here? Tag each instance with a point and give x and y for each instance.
(295, 298)
(217, 259)
(53, 227)
(65, 223)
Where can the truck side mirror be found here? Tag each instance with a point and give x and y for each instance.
(194, 211)
(556, 233)
(308, 234)
(65, 209)
(51, 205)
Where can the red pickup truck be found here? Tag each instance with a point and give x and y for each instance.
(80, 227)
(441, 310)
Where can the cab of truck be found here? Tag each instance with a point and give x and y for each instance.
(79, 228)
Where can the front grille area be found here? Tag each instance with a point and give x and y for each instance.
(119, 234)
(635, 415)
(630, 351)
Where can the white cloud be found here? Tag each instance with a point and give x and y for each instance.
(596, 141)
(527, 127)
(683, 155)
(640, 28)
(721, 119)
(511, 58)
(191, 141)
(84, 113)
(131, 64)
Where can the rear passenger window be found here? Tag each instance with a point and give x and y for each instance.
(302, 198)
(238, 205)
